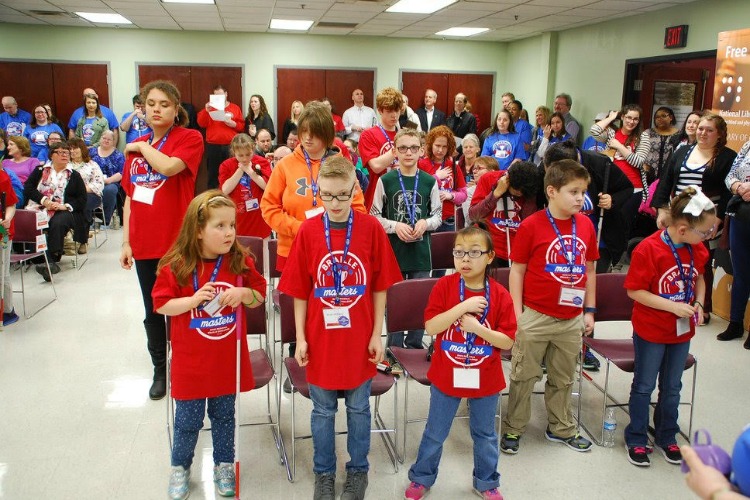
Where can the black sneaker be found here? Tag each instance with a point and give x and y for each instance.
(355, 486)
(575, 442)
(638, 455)
(10, 318)
(509, 443)
(671, 453)
(590, 362)
(325, 487)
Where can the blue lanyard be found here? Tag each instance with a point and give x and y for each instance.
(683, 277)
(411, 208)
(470, 336)
(313, 180)
(158, 148)
(337, 266)
(684, 161)
(570, 255)
(214, 273)
(388, 140)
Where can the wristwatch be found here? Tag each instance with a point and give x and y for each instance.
(591, 310)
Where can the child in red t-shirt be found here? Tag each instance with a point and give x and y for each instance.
(467, 311)
(553, 285)
(665, 280)
(201, 282)
(338, 271)
(440, 146)
(243, 178)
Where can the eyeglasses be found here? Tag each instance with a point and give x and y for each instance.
(473, 254)
(340, 197)
(704, 234)
(411, 149)
(63, 152)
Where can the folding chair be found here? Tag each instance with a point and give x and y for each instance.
(405, 305)
(613, 304)
(273, 293)
(441, 250)
(100, 226)
(26, 233)
(381, 384)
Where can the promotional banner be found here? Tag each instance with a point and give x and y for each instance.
(731, 92)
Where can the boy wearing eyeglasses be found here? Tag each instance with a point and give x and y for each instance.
(553, 285)
(338, 271)
(407, 203)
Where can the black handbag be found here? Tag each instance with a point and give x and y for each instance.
(738, 208)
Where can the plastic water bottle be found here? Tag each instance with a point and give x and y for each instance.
(609, 428)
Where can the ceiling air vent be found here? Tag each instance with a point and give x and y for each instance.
(50, 13)
(326, 24)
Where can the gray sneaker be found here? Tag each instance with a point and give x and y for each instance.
(179, 483)
(325, 487)
(355, 486)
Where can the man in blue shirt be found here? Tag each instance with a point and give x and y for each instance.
(134, 122)
(562, 104)
(106, 112)
(13, 120)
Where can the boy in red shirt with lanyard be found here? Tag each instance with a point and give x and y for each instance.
(665, 280)
(376, 143)
(338, 271)
(553, 285)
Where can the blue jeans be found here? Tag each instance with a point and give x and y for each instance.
(739, 243)
(322, 424)
(413, 337)
(482, 427)
(109, 199)
(668, 362)
(188, 420)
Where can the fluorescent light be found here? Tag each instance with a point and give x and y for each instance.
(98, 17)
(419, 6)
(462, 31)
(290, 24)
(210, 2)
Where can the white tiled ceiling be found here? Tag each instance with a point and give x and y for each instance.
(506, 19)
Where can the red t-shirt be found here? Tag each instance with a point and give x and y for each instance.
(500, 318)
(338, 354)
(632, 173)
(247, 195)
(10, 199)
(501, 217)
(654, 268)
(153, 228)
(454, 182)
(204, 348)
(372, 143)
(338, 123)
(547, 271)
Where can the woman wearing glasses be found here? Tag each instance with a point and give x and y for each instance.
(704, 164)
(661, 136)
(60, 190)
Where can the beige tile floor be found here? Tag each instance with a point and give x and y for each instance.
(76, 422)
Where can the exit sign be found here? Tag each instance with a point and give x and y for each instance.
(675, 37)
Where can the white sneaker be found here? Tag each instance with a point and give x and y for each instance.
(224, 479)
(179, 487)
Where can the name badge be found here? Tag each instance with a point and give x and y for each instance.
(42, 220)
(336, 317)
(144, 194)
(212, 307)
(41, 242)
(309, 214)
(572, 296)
(683, 326)
(466, 378)
(251, 204)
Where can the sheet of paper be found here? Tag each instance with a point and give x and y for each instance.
(218, 115)
(217, 101)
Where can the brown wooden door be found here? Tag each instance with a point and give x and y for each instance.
(341, 83)
(203, 79)
(479, 89)
(30, 83)
(414, 84)
(71, 79)
(179, 75)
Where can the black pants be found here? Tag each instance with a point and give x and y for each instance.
(156, 329)
(215, 154)
(59, 225)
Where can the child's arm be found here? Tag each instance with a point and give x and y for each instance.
(375, 347)
(443, 321)
(300, 316)
(648, 299)
(590, 298)
(515, 286)
(233, 297)
(700, 294)
(470, 323)
(180, 305)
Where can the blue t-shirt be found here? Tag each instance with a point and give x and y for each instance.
(591, 144)
(504, 148)
(523, 128)
(38, 138)
(15, 125)
(109, 165)
(137, 128)
(106, 113)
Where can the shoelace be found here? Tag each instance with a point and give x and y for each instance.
(640, 450)
(225, 472)
(328, 487)
(673, 448)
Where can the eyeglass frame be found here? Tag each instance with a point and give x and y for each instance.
(411, 149)
(463, 253)
(339, 197)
